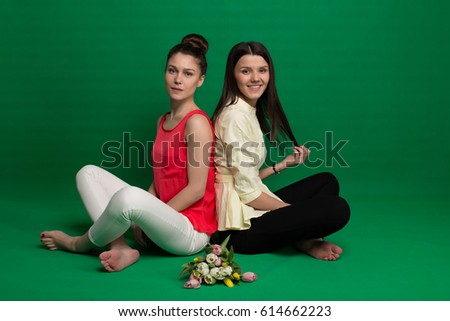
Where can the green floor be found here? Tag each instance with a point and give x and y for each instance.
(396, 248)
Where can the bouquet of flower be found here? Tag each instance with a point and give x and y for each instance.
(217, 265)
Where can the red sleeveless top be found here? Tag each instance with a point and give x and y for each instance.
(170, 160)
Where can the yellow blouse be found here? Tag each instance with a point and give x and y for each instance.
(239, 154)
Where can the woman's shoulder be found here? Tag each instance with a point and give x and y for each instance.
(236, 112)
(235, 123)
(198, 120)
(198, 115)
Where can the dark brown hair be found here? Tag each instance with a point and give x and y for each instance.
(270, 113)
(194, 45)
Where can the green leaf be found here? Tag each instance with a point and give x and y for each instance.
(199, 259)
(224, 256)
(187, 268)
(208, 248)
(184, 271)
(224, 243)
(231, 255)
(238, 270)
(236, 267)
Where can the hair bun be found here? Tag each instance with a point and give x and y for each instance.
(196, 41)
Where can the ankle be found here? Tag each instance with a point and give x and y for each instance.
(306, 245)
(81, 243)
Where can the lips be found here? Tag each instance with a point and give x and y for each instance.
(254, 87)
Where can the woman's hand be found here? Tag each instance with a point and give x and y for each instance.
(299, 156)
(139, 235)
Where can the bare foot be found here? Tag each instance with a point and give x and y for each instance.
(118, 258)
(57, 240)
(320, 249)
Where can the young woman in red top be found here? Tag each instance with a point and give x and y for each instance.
(178, 211)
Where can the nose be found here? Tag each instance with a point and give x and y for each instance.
(177, 79)
(254, 77)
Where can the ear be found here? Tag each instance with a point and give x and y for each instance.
(200, 81)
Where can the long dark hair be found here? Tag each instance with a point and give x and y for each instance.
(194, 45)
(270, 113)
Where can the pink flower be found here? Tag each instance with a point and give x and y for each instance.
(216, 249)
(218, 262)
(193, 282)
(249, 277)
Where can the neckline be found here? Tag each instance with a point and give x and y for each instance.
(195, 111)
(243, 103)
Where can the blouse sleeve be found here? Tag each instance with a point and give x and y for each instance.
(242, 153)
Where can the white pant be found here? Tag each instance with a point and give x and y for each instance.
(113, 205)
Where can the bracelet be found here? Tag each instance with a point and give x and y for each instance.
(274, 169)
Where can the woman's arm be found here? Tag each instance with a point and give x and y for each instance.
(299, 156)
(266, 202)
(152, 189)
(199, 139)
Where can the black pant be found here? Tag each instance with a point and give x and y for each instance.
(316, 211)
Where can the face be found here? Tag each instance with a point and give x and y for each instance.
(252, 77)
(182, 76)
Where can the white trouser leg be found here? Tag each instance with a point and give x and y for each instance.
(96, 188)
(167, 228)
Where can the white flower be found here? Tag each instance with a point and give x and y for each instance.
(217, 273)
(209, 279)
(227, 270)
(203, 268)
(211, 258)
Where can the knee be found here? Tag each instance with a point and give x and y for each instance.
(330, 181)
(86, 171)
(342, 211)
(126, 198)
(330, 178)
(129, 199)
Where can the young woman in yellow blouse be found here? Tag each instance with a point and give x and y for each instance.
(257, 219)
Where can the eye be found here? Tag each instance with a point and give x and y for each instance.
(171, 70)
(188, 74)
(263, 70)
(245, 71)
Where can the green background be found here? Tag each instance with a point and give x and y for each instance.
(77, 74)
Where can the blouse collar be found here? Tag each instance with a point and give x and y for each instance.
(242, 103)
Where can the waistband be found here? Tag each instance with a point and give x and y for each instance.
(224, 178)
